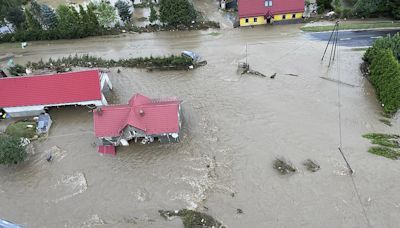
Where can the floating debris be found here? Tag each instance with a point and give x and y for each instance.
(293, 75)
(284, 167)
(386, 121)
(239, 211)
(311, 165)
(245, 69)
(192, 219)
(273, 76)
(343, 83)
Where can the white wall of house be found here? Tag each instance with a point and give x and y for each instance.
(37, 109)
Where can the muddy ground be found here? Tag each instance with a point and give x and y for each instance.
(234, 128)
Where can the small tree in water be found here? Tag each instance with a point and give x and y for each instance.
(153, 14)
(106, 14)
(124, 10)
(11, 150)
(177, 12)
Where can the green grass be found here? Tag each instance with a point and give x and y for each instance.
(19, 129)
(383, 139)
(385, 152)
(347, 26)
(386, 121)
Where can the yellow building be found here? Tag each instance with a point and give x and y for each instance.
(259, 12)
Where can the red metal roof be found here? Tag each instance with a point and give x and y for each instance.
(151, 116)
(108, 149)
(50, 89)
(251, 8)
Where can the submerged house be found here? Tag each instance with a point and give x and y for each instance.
(31, 95)
(258, 12)
(142, 119)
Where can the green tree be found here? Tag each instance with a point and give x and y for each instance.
(90, 24)
(31, 23)
(16, 16)
(67, 22)
(153, 14)
(106, 14)
(176, 12)
(5, 6)
(11, 150)
(36, 10)
(49, 17)
(124, 10)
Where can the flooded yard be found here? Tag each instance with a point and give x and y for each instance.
(235, 126)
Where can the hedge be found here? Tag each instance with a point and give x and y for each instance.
(385, 76)
(389, 42)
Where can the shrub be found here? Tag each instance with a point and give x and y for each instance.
(20, 129)
(177, 12)
(385, 76)
(389, 42)
(11, 150)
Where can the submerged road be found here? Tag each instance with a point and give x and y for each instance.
(354, 38)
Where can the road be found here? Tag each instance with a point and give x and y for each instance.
(354, 38)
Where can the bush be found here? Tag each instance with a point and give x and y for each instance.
(11, 150)
(177, 12)
(385, 76)
(17, 70)
(389, 42)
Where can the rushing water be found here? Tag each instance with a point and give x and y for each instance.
(234, 127)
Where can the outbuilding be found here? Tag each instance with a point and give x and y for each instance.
(31, 95)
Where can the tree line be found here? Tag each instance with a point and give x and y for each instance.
(361, 8)
(30, 20)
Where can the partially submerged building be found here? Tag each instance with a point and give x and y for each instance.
(143, 120)
(31, 95)
(258, 12)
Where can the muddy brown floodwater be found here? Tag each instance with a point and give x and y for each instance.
(234, 127)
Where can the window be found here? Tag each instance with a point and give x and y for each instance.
(293, 16)
(255, 19)
(247, 20)
(284, 16)
(268, 3)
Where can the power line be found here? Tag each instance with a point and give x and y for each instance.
(335, 35)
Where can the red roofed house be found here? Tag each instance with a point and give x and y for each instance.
(141, 119)
(30, 95)
(257, 12)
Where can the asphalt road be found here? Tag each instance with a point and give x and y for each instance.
(354, 38)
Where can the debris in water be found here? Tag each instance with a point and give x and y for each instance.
(273, 76)
(245, 69)
(118, 71)
(284, 167)
(233, 194)
(192, 219)
(239, 211)
(49, 158)
(334, 80)
(293, 75)
(386, 121)
(311, 165)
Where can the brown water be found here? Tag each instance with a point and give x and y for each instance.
(234, 127)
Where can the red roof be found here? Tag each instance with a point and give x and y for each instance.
(108, 149)
(50, 89)
(251, 8)
(151, 116)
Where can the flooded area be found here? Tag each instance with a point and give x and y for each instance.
(234, 127)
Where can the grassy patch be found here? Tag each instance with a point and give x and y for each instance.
(21, 129)
(311, 165)
(385, 152)
(386, 121)
(384, 139)
(283, 167)
(347, 26)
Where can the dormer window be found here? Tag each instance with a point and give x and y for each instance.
(268, 3)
